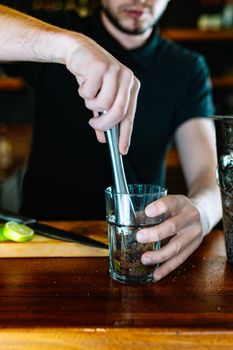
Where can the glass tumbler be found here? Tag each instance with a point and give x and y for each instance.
(124, 250)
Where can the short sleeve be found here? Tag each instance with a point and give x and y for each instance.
(197, 99)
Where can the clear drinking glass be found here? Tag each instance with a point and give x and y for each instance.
(124, 250)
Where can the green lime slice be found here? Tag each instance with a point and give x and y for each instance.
(2, 237)
(17, 232)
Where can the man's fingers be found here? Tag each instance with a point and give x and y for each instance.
(127, 123)
(183, 223)
(170, 204)
(126, 128)
(183, 216)
(100, 136)
(104, 100)
(105, 85)
(175, 246)
(167, 228)
(176, 261)
(120, 106)
(89, 88)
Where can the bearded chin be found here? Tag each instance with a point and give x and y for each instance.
(113, 20)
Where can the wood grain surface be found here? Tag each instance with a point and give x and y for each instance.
(71, 303)
(41, 246)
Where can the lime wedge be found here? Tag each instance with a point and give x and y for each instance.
(17, 232)
(2, 237)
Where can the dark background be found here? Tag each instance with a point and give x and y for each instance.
(17, 106)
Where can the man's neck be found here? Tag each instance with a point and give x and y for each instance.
(128, 41)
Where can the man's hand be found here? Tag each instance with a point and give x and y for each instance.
(182, 222)
(105, 85)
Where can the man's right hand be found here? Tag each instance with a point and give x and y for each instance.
(106, 85)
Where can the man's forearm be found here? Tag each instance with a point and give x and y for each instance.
(205, 194)
(24, 38)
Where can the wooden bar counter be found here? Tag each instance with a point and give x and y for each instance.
(71, 303)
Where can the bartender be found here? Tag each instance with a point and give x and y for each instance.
(68, 171)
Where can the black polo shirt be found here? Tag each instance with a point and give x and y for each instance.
(68, 169)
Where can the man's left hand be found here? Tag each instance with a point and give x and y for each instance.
(182, 223)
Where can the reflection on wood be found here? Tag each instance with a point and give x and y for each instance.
(11, 83)
(223, 82)
(186, 34)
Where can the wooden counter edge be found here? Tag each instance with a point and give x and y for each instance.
(115, 338)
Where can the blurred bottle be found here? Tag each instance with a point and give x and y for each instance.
(227, 14)
(37, 4)
(210, 17)
(6, 156)
(70, 5)
(83, 8)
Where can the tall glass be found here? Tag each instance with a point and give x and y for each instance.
(224, 138)
(124, 250)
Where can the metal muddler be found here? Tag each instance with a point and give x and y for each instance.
(124, 213)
